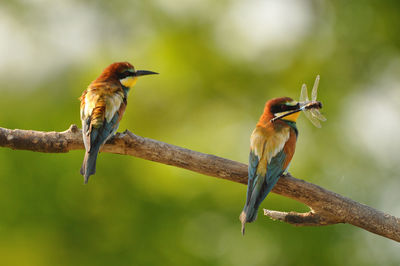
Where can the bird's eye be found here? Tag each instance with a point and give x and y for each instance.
(284, 107)
(126, 74)
(276, 109)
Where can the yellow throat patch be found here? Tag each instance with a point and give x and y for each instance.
(128, 82)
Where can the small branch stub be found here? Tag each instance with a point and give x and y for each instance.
(299, 219)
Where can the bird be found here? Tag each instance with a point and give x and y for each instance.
(102, 106)
(272, 145)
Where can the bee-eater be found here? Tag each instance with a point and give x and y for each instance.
(103, 104)
(272, 145)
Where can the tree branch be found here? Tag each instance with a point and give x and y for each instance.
(326, 207)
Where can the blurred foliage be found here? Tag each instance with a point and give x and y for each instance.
(219, 62)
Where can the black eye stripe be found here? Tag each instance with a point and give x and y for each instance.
(275, 109)
(126, 74)
(283, 108)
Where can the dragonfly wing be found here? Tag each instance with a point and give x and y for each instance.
(304, 94)
(316, 123)
(312, 119)
(315, 89)
(315, 113)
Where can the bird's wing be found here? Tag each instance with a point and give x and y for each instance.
(274, 170)
(289, 149)
(280, 161)
(102, 108)
(253, 164)
(257, 144)
(98, 136)
(271, 162)
(85, 118)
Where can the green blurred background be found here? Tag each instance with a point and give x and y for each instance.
(219, 63)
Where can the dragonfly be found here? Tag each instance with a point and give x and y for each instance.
(311, 108)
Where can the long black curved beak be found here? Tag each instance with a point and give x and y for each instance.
(144, 72)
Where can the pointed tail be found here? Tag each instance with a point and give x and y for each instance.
(89, 164)
(248, 215)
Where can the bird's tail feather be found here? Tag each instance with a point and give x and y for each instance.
(248, 215)
(89, 164)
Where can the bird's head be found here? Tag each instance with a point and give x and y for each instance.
(125, 73)
(284, 108)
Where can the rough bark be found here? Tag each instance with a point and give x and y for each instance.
(326, 207)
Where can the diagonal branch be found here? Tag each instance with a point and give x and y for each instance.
(326, 207)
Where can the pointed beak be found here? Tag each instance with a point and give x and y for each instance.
(299, 108)
(144, 72)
